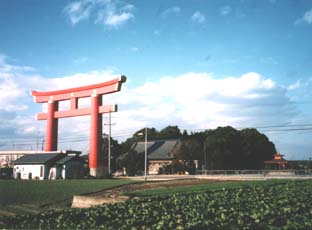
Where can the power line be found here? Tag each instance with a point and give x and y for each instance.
(284, 130)
(82, 138)
(280, 126)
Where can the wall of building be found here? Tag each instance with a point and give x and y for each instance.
(33, 172)
(155, 165)
(73, 170)
(56, 172)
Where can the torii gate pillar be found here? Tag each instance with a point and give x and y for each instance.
(96, 159)
(96, 137)
(52, 127)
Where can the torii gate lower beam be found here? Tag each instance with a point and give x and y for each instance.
(96, 160)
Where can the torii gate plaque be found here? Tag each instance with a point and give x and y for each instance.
(96, 162)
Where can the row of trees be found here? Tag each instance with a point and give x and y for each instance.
(223, 148)
(228, 148)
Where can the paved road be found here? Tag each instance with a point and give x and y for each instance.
(219, 177)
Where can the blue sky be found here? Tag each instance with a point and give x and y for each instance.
(196, 64)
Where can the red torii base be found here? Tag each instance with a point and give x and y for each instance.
(96, 159)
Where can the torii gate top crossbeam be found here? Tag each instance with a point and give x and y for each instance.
(79, 92)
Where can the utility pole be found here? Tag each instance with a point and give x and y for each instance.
(145, 153)
(109, 140)
(42, 145)
(37, 140)
(145, 148)
(205, 157)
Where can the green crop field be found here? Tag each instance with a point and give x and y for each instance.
(259, 206)
(19, 196)
(204, 187)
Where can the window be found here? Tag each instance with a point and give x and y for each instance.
(41, 171)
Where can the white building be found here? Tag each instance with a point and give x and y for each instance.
(8, 156)
(48, 166)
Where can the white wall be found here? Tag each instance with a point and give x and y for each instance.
(24, 170)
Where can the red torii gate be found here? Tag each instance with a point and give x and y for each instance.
(95, 91)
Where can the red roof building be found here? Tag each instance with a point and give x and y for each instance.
(277, 163)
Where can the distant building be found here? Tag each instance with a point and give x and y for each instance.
(160, 153)
(278, 162)
(49, 166)
(299, 164)
(8, 156)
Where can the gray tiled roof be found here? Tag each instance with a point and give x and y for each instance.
(163, 151)
(38, 158)
(140, 146)
(157, 150)
(69, 158)
(64, 159)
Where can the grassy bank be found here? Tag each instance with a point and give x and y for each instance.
(19, 196)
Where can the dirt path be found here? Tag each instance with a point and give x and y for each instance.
(114, 195)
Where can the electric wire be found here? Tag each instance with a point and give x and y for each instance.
(20, 141)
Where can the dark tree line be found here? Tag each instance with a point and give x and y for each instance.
(224, 148)
(228, 148)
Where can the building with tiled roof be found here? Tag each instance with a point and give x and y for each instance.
(159, 153)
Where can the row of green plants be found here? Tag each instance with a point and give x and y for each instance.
(282, 206)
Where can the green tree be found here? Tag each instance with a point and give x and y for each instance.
(256, 148)
(222, 147)
(115, 152)
(227, 148)
(152, 134)
(170, 132)
(133, 162)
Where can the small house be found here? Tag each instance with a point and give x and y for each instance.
(48, 166)
(35, 166)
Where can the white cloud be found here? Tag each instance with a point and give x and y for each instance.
(105, 12)
(134, 49)
(113, 19)
(294, 86)
(79, 10)
(225, 10)
(71, 81)
(2, 58)
(11, 80)
(190, 100)
(268, 61)
(198, 17)
(80, 60)
(306, 18)
(199, 100)
(156, 32)
(171, 10)
(6, 68)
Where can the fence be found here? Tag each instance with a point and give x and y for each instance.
(256, 173)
